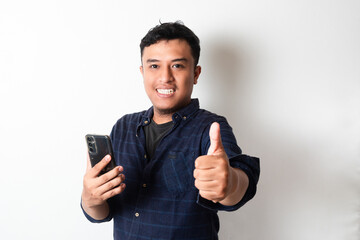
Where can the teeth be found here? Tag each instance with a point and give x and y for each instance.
(165, 91)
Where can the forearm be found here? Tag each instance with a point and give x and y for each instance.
(239, 183)
(98, 212)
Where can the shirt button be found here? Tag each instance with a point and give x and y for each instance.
(145, 156)
(144, 185)
(146, 121)
(184, 117)
(137, 214)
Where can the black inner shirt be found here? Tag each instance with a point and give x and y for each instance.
(153, 135)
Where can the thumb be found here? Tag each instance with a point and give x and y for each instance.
(88, 164)
(215, 139)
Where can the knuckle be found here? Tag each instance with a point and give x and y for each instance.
(224, 176)
(110, 185)
(118, 190)
(196, 184)
(195, 173)
(115, 191)
(199, 161)
(105, 177)
(114, 183)
(122, 177)
(93, 194)
(202, 193)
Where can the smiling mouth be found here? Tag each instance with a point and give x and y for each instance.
(165, 91)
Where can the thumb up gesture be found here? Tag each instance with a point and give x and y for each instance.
(213, 174)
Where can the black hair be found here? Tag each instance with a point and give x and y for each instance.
(170, 31)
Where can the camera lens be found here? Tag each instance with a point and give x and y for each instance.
(91, 149)
(90, 144)
(90, 139)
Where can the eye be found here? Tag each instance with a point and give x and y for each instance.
(154, 66)
(178, 66)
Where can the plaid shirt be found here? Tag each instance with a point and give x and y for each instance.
(160, 200)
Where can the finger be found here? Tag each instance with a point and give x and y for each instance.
(114, 191)
(215, 139)
(106, 177)
(113, 183)
(209, 196)
(210, 185)
(206, 162)
(205, 174)
(100, 166)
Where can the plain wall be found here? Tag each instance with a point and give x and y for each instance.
(286, 74)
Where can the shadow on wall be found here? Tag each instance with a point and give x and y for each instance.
(295, 192)
(223, 65)
(227, 81)
(227, 76)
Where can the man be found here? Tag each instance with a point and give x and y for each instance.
(181, 163)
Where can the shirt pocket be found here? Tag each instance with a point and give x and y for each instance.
(177, 172)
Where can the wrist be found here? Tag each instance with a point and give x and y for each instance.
(234, 193)
(96, 212)
(233, 180)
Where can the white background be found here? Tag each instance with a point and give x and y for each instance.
(286, 74)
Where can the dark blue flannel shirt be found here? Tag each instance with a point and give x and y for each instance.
(160, 200)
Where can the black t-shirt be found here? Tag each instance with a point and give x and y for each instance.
(154, 133)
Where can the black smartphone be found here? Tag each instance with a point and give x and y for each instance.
(98, 147)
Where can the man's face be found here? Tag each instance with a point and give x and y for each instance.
(169, 75)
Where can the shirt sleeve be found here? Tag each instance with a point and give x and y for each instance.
(107, 219)
(250, 165)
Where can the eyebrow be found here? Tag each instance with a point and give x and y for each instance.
(152, 60)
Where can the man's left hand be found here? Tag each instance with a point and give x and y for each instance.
(212, 172)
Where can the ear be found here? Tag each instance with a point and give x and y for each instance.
(197, 74)
(141, 70)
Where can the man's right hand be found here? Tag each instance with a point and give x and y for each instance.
(97, 189)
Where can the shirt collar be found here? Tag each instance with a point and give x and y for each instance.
(187, 111)
(183, 113)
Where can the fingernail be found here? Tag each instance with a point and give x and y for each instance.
(107, 158)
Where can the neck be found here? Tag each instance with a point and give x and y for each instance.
(162, 118)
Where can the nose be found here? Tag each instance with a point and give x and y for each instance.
(166, 75)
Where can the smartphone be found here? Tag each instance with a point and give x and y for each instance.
(98, 147)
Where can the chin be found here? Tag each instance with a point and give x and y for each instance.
(167, 111)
